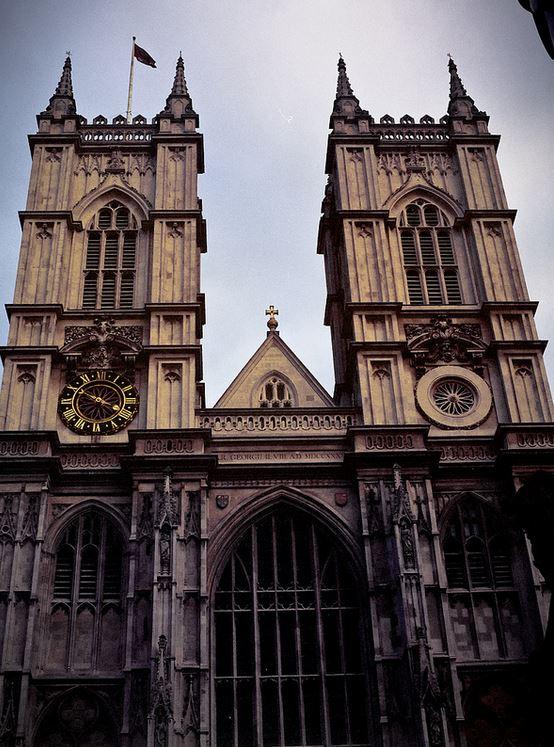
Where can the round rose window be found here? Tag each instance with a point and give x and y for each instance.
(453, 397)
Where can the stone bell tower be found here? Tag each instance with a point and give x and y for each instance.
(102, 376)
(109, 274)
(434, 343)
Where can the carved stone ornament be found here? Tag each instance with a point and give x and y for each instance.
(415, 161)
(145, 528)
(167, 504)
(341, 499)
(192, 517)
(8, 715)
(44, 230)
(30, 519)
(401, 507)
(165, 549)
(102, 345)
(191, 719)
(222, 500)
(374, 521)
(116, 163)
(442, 341)
(161, 708)
(8, 518)
(403, 515)
(429, 690)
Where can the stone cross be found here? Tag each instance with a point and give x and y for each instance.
(272, 312)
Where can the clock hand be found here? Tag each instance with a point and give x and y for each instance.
(101, 401)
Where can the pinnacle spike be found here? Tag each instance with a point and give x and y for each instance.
(62, 102)
(460, 102)
(343, 84)
(457, 89)
(179, 101)
(179, 83)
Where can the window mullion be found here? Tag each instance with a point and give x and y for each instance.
(257, 655)
(469, 583)
(234, 645)
(421, 268)
(320, 639)
(75, 592)
(341, 650)
(100, 284)
(496, 607)
(277, 633)
(101, 559)
(297, 640)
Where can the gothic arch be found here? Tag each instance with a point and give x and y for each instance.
(225, 537)
(78, 716)
(410, 192)
(92, 202)
(266, 376)
(63, 597)
(464, 495)
(56, 528)
(287, 580)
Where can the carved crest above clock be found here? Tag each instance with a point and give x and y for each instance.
(103, 345)
(443, 342)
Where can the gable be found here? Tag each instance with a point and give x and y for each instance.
(274, 364)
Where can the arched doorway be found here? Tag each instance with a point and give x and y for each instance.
(290, 660)
(77, 718)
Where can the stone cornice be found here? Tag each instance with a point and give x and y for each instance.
(470, 215)
(50, 215)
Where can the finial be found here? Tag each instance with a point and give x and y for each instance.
(343, 84)
(457, 89)
(179, 102)
(346, 103)
(179, 83)
(62, 102)
(272, 323)
(461, 104)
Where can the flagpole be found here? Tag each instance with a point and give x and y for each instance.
(131, 75)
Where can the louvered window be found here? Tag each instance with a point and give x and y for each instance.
(426, 241)
(408, 248)
(111, 251)
(483, 601)
(290, 665)
(87, 593)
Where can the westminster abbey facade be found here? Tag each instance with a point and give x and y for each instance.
(288, 567)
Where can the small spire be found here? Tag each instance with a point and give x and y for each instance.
(179, 102)
(272, 323)
(180, 84)
(62, 102)
(457, 89)
(460, 104)
(346, 103)
(343, 84)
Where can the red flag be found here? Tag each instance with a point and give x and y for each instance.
(142, 56)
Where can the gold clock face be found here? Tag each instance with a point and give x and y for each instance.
(98, 402)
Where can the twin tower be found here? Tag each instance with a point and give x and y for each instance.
(287, 567)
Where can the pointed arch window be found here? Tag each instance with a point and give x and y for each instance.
(86, 604)
(428, 256)
(290, 667)
(109, 275)
(275, 392)
(483, 600)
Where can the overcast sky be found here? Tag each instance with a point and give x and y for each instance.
(262, 76)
